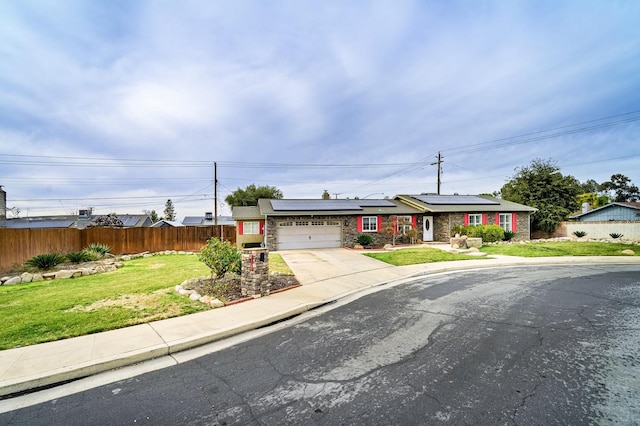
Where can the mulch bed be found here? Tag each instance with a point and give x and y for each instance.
(228, 289)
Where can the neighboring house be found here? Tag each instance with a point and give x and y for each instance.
(618, 211)
(313, 223)
(162, 223)
(207, 220)
(74, 221)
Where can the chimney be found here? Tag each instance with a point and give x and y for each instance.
(585, 207)
(326, 195)
(3, 204)
(208, 216)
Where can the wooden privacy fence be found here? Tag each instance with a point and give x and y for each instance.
(19, 245)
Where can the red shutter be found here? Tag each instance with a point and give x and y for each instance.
(414, 222)
(261, 226)
(240, 228)
(359, 223)
(379, 223)
(514, 222)
(484, 218)
(466, 219)
(498, 219)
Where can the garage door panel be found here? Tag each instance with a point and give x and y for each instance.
(300, 235)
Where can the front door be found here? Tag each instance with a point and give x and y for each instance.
(427, 228)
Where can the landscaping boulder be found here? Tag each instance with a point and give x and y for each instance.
(12, 281)
(629, 252)
(474, 242)
(26, 277)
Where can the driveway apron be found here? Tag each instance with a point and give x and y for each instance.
(312, 266)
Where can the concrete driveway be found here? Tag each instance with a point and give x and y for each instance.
(317, 265)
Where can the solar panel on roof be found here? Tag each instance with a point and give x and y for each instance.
(192, 220)
(129, 221)
(455, 200)
(309, 205)
(375, 203)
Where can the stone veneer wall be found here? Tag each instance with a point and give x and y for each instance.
(444, 222)
(349, 229)
(255, 272)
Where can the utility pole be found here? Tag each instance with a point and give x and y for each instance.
(439, 162)
(215, 193)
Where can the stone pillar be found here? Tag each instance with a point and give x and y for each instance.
(255, 272)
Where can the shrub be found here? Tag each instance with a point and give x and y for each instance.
(579, 234)
(491, 233)
(220, 257)
(508, 235)
(46, 261)
(615, 235)
(100, 249)
(488, 233)
(82, 256)
(364, 239)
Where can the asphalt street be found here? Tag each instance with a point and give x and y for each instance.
(505, 346)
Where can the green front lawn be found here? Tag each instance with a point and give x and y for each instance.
(567, 248)
(414, 256)
(140, 292)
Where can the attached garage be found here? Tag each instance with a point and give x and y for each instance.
(308, 234)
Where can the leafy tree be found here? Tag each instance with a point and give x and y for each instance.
(249, 196)
(622, 188)
(220, 257)
(169, 211)
(541, 185)
(590, 186)
(109, 221)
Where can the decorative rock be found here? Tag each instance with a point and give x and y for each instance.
(12, 281)
(205, 299)
(37, 277)
(3, 279)
(194, 296)
(474, 242)
(473, 250)
(216, 303)
(185, 292)
(26, 277)
(629, 252)
(49, 275)
(455, 246)
(64, 274)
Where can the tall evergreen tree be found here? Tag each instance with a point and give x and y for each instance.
(169, 211)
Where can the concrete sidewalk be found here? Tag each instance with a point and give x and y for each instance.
(326, 275)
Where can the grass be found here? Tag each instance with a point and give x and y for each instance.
(140, 292)
(278, 265)
(414, 256)
(560, 249)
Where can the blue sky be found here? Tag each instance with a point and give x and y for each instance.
(119, 105)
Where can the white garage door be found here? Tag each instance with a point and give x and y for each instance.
(303, 234)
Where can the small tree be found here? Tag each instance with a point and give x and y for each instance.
(109, 221)
(220, 257)
(169, 211)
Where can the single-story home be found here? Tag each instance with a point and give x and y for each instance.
(618, 211)
(324, 223)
